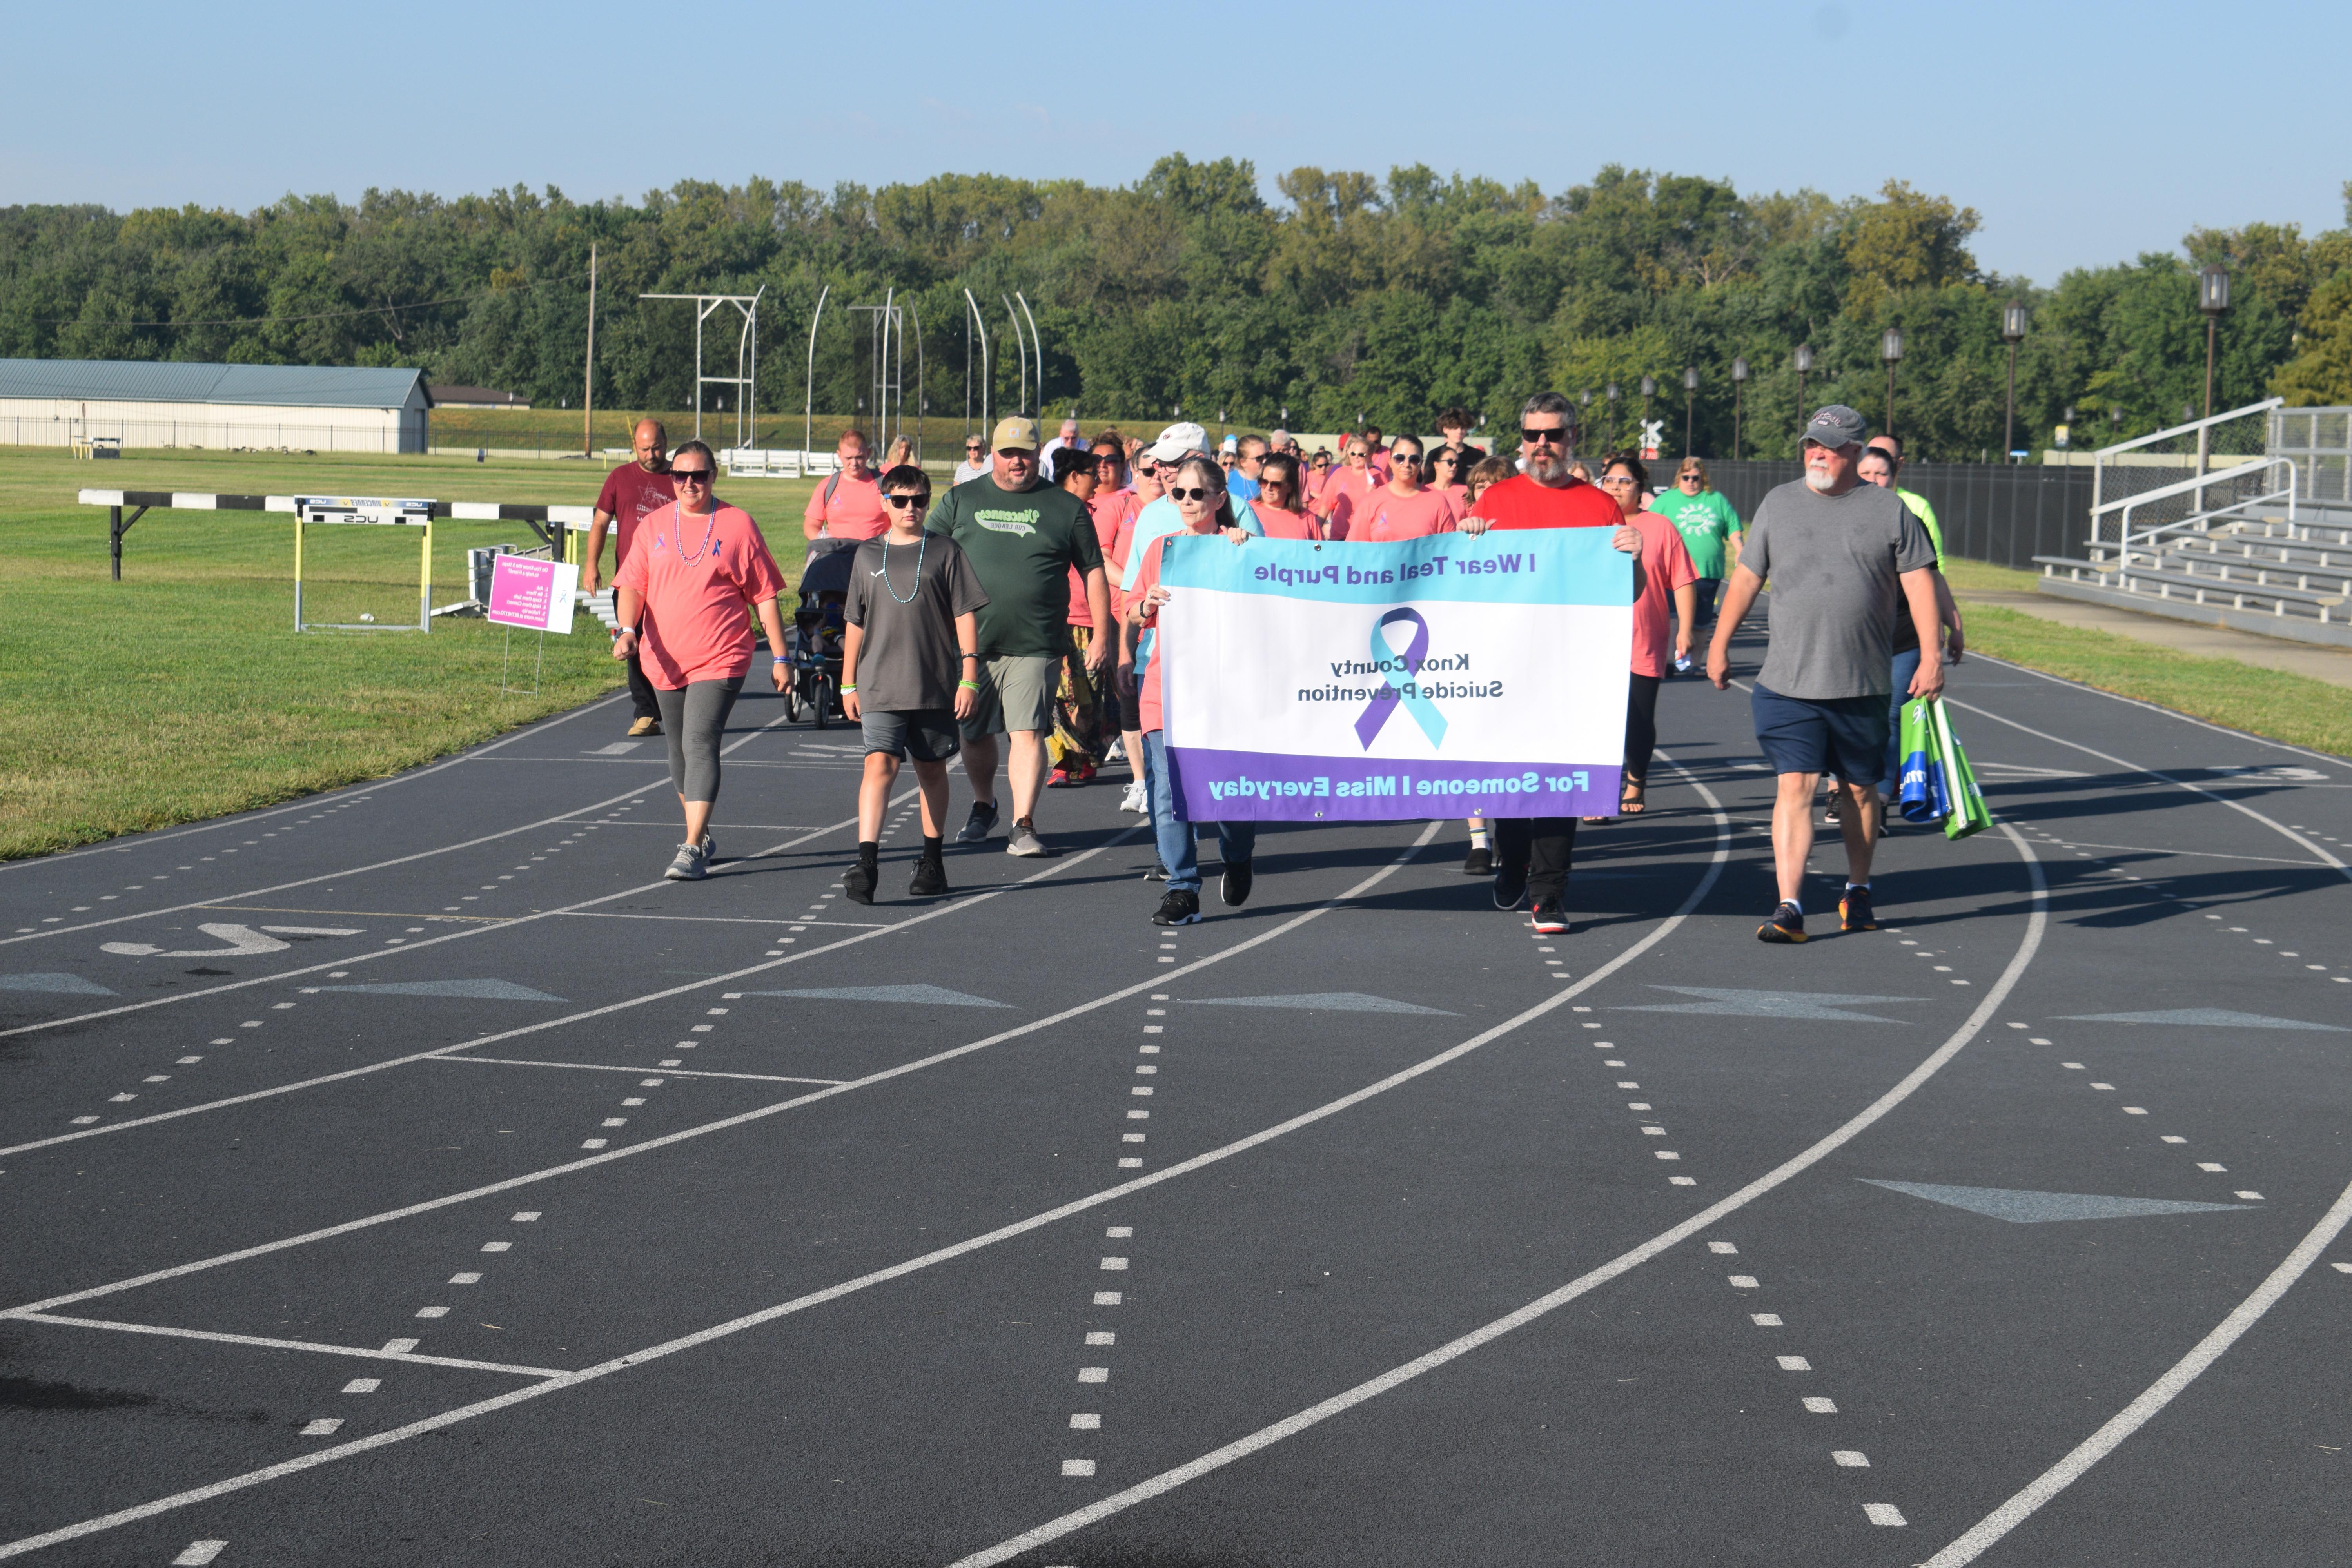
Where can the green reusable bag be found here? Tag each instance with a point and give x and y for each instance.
(1920, 794)
(1968, 812)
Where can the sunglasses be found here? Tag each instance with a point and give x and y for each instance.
(1692, 478)
(898, 503)
(1198, 492)
(690, 476)
(1403, 458)
(1557, 435)
(1617, 478)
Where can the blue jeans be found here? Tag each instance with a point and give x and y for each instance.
(1236, 841)
(1906, 665)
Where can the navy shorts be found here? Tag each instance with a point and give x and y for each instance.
(1841, 735)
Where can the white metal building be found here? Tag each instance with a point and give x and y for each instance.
(162, 403)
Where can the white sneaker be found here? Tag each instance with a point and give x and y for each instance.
(1022, 840)
(1117, 753)
(1135, 800)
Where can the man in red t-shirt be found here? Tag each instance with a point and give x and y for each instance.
(632, 492)
(1532, 854)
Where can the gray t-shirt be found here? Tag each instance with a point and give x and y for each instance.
(1833, 561)
(908, 658)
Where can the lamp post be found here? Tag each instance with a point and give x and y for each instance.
(2012, 332)
(1690, 398)
(1804, 363)
(1649, 390)
(1610, 392)
(1890, 348)
(2212, 298)
(1738, 380)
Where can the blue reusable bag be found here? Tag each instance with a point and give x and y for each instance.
(1923, 797)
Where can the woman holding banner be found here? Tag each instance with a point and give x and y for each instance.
(1197, 485)
(1665, 573)
(679, 598)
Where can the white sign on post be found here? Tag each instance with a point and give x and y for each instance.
(535, 594)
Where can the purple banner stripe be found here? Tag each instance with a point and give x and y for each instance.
(1274, 786)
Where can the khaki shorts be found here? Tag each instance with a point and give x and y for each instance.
(1016, 692)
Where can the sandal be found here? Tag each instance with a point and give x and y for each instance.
(1634, 804)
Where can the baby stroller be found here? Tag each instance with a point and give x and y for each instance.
(814, 659)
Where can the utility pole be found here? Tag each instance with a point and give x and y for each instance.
(588, 402)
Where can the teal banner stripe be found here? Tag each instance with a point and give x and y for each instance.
(1514, 567)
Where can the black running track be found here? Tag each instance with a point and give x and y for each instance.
(410, 1175)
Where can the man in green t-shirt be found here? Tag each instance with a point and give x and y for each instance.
(1023, 538)
(1710, 531)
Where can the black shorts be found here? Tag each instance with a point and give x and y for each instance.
(928, 734)
(1841, 735)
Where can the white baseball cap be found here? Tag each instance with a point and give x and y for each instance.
(1178, 440)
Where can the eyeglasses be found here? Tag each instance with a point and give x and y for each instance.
(1198, 492)
(1617, 478)
(900, 503)
(690, 476)
(1557, 435)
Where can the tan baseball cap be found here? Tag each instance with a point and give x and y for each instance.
(1015, 432)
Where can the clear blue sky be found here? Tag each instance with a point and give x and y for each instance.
(2082, 134)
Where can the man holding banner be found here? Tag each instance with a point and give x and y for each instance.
(1474, 673)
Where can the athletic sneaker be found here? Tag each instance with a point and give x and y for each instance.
(644, 727)
(710, 846)
(979, 823)
(1117, 753)
(1159, 872)
(1787, 925)
(1510, 886)
(1178, 909)
(930, 879)
(1022, 840)
(1551, 919)
(1233, 887)
(690, 866)
(857, 883)
(1066, 778)
(1136, 799)
(1478, 862)
(1855, 912)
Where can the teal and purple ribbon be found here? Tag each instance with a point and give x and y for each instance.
(1405, 692)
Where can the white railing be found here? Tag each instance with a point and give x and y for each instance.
(2201, 518)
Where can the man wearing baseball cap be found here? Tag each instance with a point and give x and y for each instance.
(1023, 537)
(1845, 558)
(1176, 442)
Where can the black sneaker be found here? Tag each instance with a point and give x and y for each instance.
(1787, 925)
(1233, 887)
(1178, 909)
(1510, 886)
(1478, 863)
(1551, 919)
(1855, 912)
(930, 879)
(857, 883)
(1159, 872)
(981, 822)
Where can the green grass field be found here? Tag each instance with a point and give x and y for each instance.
(183, 692)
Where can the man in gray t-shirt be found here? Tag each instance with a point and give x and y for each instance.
(1844, 559)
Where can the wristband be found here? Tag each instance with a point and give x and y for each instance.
(776, 658)
(847, 689)
(969, 685)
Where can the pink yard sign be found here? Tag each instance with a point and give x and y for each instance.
(533, 594)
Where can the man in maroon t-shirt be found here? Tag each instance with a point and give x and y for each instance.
(1532, 854)
(633, 492)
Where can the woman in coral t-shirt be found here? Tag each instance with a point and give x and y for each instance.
(679, 598)
(1446, 472)
(1399, 508)
(1281, 510)
(1663, 574)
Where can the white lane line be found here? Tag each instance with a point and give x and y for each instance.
(2201, 854)
(673, 1072)
(198, 1553)
(322, 802)
(745, 1117)
(261, 1343)
(2281, 829)
(1624, 1263)
(722, 1331)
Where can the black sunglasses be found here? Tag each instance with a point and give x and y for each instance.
(690, 476)
(1198, 492)
(1557, 435)
(1401, 458)
(899, 503)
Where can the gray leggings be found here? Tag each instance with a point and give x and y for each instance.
(693, 721)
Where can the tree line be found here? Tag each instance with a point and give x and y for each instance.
(1349, 297)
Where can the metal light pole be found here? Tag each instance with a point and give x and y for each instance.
(1890, 348)
(1649, 390)
(1738, 382)
(1690, 398)
(1610, 392)
(1804, 363)
(2012, 332)
(2212, 298)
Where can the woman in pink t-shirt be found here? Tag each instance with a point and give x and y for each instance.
(1399, 508)
(679, 598)
(1447, 473)
(1343, 488)
(1663, 572)
(1281, 510)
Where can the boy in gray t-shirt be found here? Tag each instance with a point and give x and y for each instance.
(909, 672)
(1845, 558)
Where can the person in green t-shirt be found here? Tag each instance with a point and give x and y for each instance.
(1023, 538)
(1893, 447)
(1710, 531)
